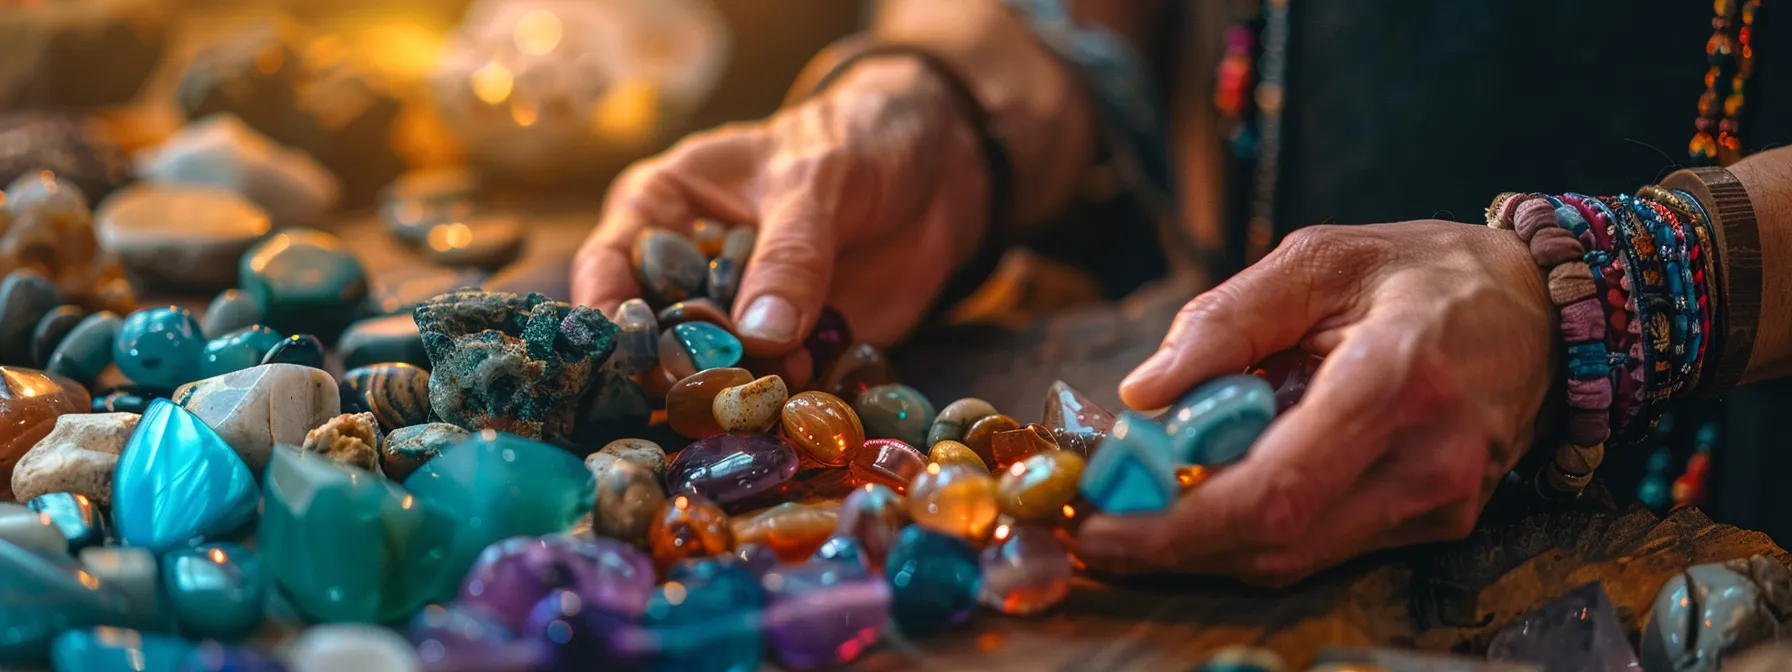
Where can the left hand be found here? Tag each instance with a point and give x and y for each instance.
(1437, 339)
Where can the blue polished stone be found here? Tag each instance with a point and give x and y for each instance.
(43, 594)
(117, 650)
(217, 591)
(708, 345)
(182, 482)
(215, 657)
(229, 311)
(128, 399)
(637, 339)
(707, 620)
(75, 515)
(159, 347)
(934, 580)
(300, 349)
(1133, 471)
(87, 349)
(50, 330)
(1216, 423)
(237, 350)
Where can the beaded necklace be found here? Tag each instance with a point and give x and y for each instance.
(1731, 55)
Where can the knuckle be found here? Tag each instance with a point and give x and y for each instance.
(1330, 254)
(1215, 304)
(790, 260)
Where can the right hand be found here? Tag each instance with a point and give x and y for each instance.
(866, 197)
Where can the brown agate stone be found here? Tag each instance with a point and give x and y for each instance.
(30, 402)
(952, 453)
(689, 527)
(823, 428)
(981, 436)
(793, 531)
(860, 368)
(690, 403)
(1016, 445)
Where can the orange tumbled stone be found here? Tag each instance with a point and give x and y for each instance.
(952, 453)
(30, 402)
(689, 527)
(1016, 445)
(1037, 489)
(690, 403)
(793, 531)
(954, 500)
(823, 428)
(981, 435)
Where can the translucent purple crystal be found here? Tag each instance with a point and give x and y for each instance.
(513, 575)
(823, 612)
(1578, 631)
(453, 639)
(731, 468)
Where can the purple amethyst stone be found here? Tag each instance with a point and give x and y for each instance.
(823, 612)
(577, 636)
(454, 639)
(511, 576)
(732, 468)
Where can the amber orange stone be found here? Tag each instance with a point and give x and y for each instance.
(30, 402)
(859, 368)
(981, 435)
(1036, 490)
(823, 428)
(953, 453)
(793, 531)
(954, 500)
(657, 382)
(1015, 445)
(888, 462)
(689, 527)
(690, 403)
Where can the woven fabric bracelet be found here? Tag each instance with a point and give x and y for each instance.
(1701, 257)
(1649, 291)
(1612, 306)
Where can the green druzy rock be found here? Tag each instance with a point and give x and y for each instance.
(495, 486)
(511, 363)
(344, 545)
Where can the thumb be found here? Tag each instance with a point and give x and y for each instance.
(787, 280)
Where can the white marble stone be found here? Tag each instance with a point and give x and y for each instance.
(77, 456)
(222, 151)
(352, 648)
(257, 407)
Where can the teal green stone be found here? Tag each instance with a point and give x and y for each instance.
(708, 621)
(217, 591)
(177, 480)
(1134, 470)
(237, 350)
(300, 349)
(895, 411)
(705, 345)
(229, 311)
(159, 347)
(934, 581)
(87, 349)
(495, 486)
(344, 545)
(376, 340)
(118, 650)
(1216, 423)
(50, 330)
(43, 594)
(304, 281)
(74, 515)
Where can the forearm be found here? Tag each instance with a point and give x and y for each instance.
(1768, 178)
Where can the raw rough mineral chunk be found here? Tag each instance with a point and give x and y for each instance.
(518, 364)
(77, 456)
(1577, 631)
(257, 407)
(351, 439)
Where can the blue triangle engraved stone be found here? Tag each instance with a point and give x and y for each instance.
(1132, 471)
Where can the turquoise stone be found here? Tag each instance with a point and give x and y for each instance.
(237, 350)
(74, 515)
(87, 349)
(181, 482)
(43, 594)
(895, 411)
(159, 347)
(1216, 423)
(1133, 471)
(300, 349)
(396, 394)
(304, 281)
(25, 296)
(118, 649)
(934, 581)
(229, 311)
(23, 527)
(495, 486)
(698, 346)
(217, 591)
(377, 340)
(637, 339)
(50, 330)
(344, 545)
(707, 620)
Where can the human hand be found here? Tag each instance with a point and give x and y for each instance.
(866, 197)
(1438, 348)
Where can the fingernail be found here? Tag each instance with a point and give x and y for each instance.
(1151, 368)
(770, 318)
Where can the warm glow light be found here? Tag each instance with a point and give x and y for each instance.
(446, 237)
(933, 467)
(1017, 468)
(524, 113)
(270, 58)
(538, 32)
(88, 580)
(681, 502)
(1001, 532)
(408, 501)
(491, 82)
(674, 593)
(1069, 512)
(218, 556)
(627, 111)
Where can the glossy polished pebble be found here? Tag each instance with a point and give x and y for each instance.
(110, 649)
(305, 281)
(407, 448)
(696, 346)
(511, 576)
(50, 330)
(74, 515)
(229, 311)
(629, 497)
(732, 470)
(396, 394)
(980, 436)
(888, 462)
(861, 367)
(350, 439)
(1025, 573)
(669, 266)
(895, 411)
(1135, 470)
(1215, 424)
(381, 340)
(688, 527)
(420, 199)
(214, 229)
(45, 594)
(695, 310)
(576, 636)
(216, 591)
(956, 418)
(133, 573)
(1076, 422)
(953, 453)
(300, 349)
(260, 406)
(934, 581)
(690, 404)
(828, 341)
(956, 500)
(159, 347)
(337, 648)
(709, 235)
(637, 339)
(25, 297)
(237, 350)
(614, 407)
(724, 280)
(87, 349)
(30, 530)
(707, 621)
(31, 402)
(1242, 659)
(793, 531)
(185, 482)
(641, 452)
(1289, 372)
(753, 407)
(1016, 445)
(874, 515)
(824, 430)
(738, 244)
(1036, 490)
(222, 151)
(823, 613)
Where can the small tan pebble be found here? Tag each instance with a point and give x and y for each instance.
(949, 452)
(78, 455)
(628, 499)
(599, 463)
(351, 438)
(752, 407)
(641, 452)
